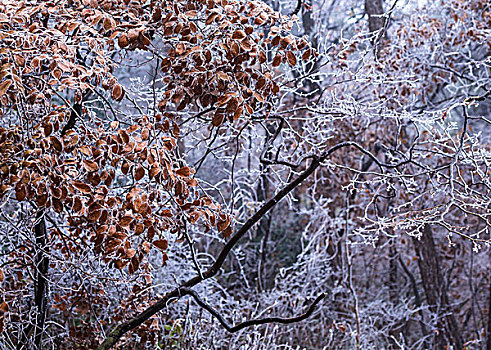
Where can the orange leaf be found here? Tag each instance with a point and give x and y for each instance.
(82, 187)
(184, 171)
(4, 87)
(90, 166)
(161, 244)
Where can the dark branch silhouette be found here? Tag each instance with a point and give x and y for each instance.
(255, 322)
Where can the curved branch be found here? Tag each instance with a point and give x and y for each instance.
(297, 9)
(255, 322)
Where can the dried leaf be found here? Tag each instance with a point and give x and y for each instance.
(277, 60)
(90, 165)
(4, 87)
(139, 173)
(217, 119)
(161, 244)
(82, 187)
(20, 192)
(238, 35)
(56, 144)
(292, 60)
(124, 136)
(125, 221)
(123, 40)
(184, 171)
(306, 54)
(246, 45)
(117, 92)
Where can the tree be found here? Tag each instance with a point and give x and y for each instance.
(142, 142)
(86, 177)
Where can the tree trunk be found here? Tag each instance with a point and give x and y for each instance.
(41, 264)
(376, 22)
(40, 289)
(435, 291)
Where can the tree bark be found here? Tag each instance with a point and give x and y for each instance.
(376, 22)
(375, 10)
(41, 265)
(435, 290)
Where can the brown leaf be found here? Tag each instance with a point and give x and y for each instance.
(56, 144)
(4, 87)
(217, 119)
(47, 129)
(77, 205)
(154, 171)
(194, 216)
(222, 225)
(108, 23)
(260, 83)
(123, 40)
(151, 232)
(277, 60)
(161, 244)
(125, 168)
(20, 192)
(94, 215)
(238, 112)
(124, 136)
(246, 45)
(184, 171)
(238, 35)
(134, 265)
(133, 34)
(85, 150)
(306, 54)
(261, 56)
(284, 42)
(41, 199)
(82, 187)
(143, 40)
(175, 130)
(57, 205)
(164, 259)
(139, 173)
(117, 92)
(3, 306)
(130, 253)
(125, 221)
(211, 18)
(90, 165)
(292, 60)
